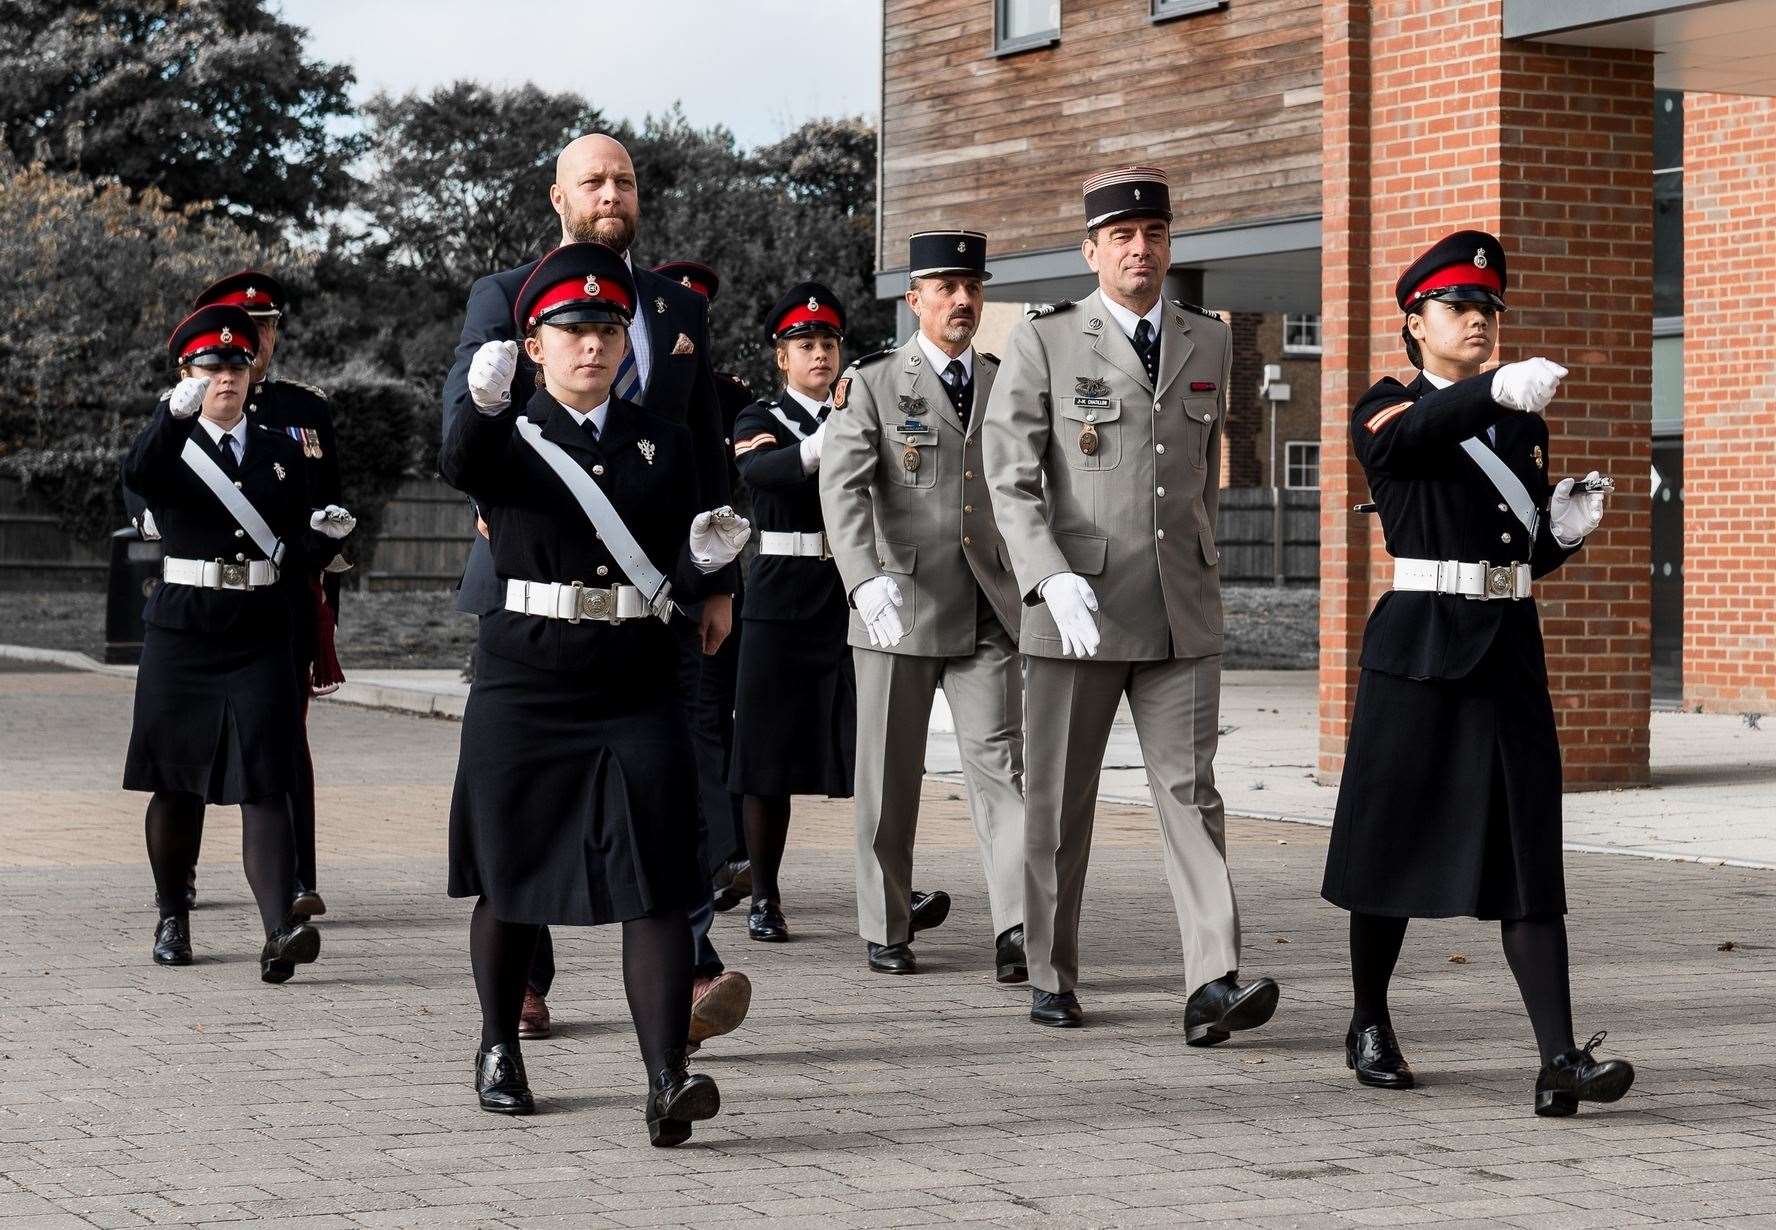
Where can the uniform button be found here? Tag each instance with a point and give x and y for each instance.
(1159, 448)
(881, 563)
(967, 508)
(252, 405)
(603, 571)
(968, 474)
(240, 533)
(967, 541)
(1505, 537)
(237, 485)
(1091, 418)
(1159, 491)
(1504, 508)
(240, 557)
(1207, 417)
(1160, 534)
(598, 471)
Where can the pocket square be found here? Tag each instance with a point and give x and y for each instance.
(683, 345)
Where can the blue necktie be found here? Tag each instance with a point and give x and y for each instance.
(628, 385)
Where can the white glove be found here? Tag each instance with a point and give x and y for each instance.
(188, 395)
(716, 538)
(1572, 519)
(490, 376)
(811, 449)
(878, 601)
(150, 531)
(1071, 602)
(1529, 385)
(332, 522)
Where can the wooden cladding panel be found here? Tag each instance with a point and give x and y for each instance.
(1226, 101)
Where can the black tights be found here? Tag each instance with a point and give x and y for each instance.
(656, 978)
(1535, 949)
(268, 851)
(766, 818)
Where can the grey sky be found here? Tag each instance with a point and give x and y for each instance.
(758, 66)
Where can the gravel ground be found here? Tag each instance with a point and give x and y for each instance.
(1267, 629)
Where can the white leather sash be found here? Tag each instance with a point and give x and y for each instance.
(239, 507)
(1483, 581)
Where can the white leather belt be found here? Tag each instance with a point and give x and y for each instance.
(784, 542)
(575, 602)
(218, 574)
(1483, 581)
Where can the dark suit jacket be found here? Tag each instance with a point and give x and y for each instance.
(680, 388)
(1436, 503)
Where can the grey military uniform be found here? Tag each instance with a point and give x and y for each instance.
(1099, 471)
(904, 494)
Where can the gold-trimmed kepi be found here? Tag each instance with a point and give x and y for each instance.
(1127, 192)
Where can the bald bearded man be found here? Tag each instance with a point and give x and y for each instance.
(668, 372)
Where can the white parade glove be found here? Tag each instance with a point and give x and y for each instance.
(188, 395)
(1570, 518)
(1529, 385)
(717, 537)
(878, 600)
(150, 531)
(811, 449)
(1071, 601)
(332, 522)
(490, 376)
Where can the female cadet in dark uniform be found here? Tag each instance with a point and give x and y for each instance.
(575, 793)
(216, 705)
(795, 721)
(1450, 800)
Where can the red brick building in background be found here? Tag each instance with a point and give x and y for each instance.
(1621, 149)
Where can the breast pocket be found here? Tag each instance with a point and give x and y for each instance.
(1089, 432)
(914, 458)
(1200, 413)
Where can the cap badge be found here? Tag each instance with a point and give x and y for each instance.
(813, 304)
(961, 245)
(592, 286)
(685, 281)
(1137, 194)
(1479, 258)
(227, 335)
(647, 450)
(252, 292)
(659, 306)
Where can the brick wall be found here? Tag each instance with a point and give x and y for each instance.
(1434, 123)
(1729, 649)
(1241, 462)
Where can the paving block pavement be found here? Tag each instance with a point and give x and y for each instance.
(136, 1095)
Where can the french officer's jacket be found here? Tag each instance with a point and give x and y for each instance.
(1099, 471)
(645, 465)
(1436, 503)
(194, 523)
(767, 448)
(904, 489)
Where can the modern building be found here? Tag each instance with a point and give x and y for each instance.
(1625, 152)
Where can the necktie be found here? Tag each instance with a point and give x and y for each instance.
(591, 430)
(957, 380)
(228, 450)
(628, 382)
(1147, 346)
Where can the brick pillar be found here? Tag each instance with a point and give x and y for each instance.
(1550, 148)
(1729, 645)
(1240, 465)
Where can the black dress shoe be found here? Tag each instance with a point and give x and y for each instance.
(1219, 1008)
(285, 949)
(1058, 1008)
(765, 922)
(930, 909)
(172, 941)
(308, 904)
(731, 885)
(1575, 1076)
(677, 1099)
(1008, 956)
(893, 959)
(500, 1082)
(1373, 1053)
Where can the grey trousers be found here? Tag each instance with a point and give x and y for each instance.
(894, 692)
(1176, 706)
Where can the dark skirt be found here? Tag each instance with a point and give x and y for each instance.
(575, 801)
(795, 712)
(1450, 800)
(215, 716)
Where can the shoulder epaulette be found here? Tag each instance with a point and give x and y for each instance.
(167, 395)
(1049, 309)
(732, 378)
(1200, 311)
(307, 388)
(991, 358)
(872, 357)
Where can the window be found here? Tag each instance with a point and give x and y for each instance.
(1301, 335)
(1020, 25)
(1164, 9)
(1301, 468)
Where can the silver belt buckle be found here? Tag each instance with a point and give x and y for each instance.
(234, 576)
(593, 603)
(1501, 581)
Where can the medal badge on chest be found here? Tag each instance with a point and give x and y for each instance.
(647, 450)
(277, 468)
(1089, 393)
(912, 424)
(1536, 454)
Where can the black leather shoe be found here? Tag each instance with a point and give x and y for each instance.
(1373, 1053)
(500, 1082)
(731, 885)
(930, 909)
(1008, 956)
(285, 949)
(893, 959)
(308, 904)
(765, 922)
(677, 1099)
(1219, 1008)
(1574, 1076)
(172, 941)
(1058, 1008)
